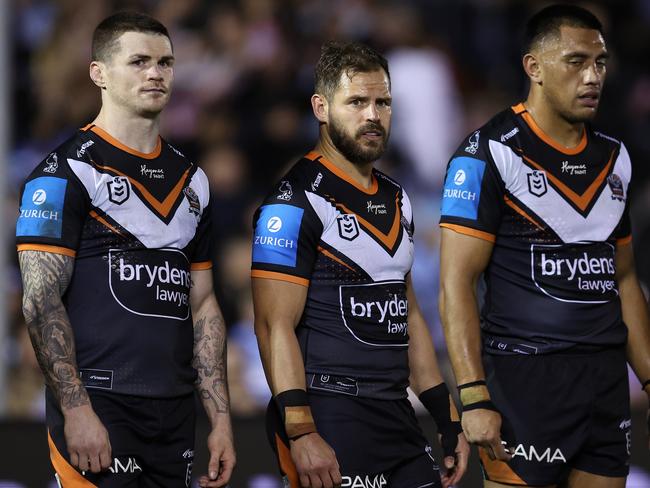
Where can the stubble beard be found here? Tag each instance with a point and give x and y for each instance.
(352, 150)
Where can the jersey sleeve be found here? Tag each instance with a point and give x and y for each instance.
(202, 250)
(53, 208)
(623, 231)
(473, 191)
(287, 231)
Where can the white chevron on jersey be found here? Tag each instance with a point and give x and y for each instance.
(136, 217)
(364, 251)
(554, 209)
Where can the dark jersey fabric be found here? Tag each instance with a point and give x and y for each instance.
(353, 248)
(136, 224)
(555, 216)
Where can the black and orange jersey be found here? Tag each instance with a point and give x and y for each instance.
(136, 224)
(555, 216)
(352, 247)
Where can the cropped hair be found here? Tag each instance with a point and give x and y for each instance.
(349, 58)
(549, 20)
(111, 28)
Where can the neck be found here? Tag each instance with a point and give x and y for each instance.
(360, 174)
(567, 133)
(134, 131)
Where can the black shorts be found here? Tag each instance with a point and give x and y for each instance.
(560, 412)
(377, 442)
(152, 441)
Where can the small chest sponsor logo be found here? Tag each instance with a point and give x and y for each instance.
(574, 169)
(579, 273)
(472, 143)
(152, 282)
(52, 163)
(376, 314)
(316, 182)
(376, 208)
(348, 226)
(97, 378)
(119, 190)
(286, 192)
(537, 184)
(508, 135)
(152, 173)
(616, 186)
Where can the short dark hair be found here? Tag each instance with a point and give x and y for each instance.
(349, 58)
(111, 28)
(550, 19)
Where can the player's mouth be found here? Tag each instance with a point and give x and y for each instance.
(373, 133)
(589, 98)
(154, 90)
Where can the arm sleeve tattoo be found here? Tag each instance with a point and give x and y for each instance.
(45, 278)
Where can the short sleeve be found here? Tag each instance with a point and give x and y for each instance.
(472, 195)
(287, 231)
(53, 208)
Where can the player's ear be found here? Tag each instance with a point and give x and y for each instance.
(532, 68)
(96, 71)
(320, 107)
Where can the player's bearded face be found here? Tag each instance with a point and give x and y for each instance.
(140, 73)
(356, 147)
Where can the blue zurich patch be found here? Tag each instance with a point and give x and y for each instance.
(276, 235)
(462, 191)
(41, 209)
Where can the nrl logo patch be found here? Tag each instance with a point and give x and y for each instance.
(119, 190)
(348, 226)
(193, 200)
(537, 184)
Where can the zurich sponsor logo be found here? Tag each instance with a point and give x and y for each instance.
(276, 234)
(41, 209)
(462, 190)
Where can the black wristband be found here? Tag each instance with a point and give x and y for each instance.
(438, 402)
(484, 404)
(291, 398)
(645, 383)
(472, 383)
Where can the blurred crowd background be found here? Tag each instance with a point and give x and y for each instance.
(240, 108)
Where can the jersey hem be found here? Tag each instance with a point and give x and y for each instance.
(47, 248)
(272, 275)
(202, 265)
(461, 229)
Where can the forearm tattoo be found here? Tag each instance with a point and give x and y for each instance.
(210, 362)
(46, 276)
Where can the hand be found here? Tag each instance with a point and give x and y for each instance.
(222, 456)
(86, 439)
(483, 428)
(456, 465)
(315, 462)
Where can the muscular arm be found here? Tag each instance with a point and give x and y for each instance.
(278, 308)
(462, 260)
(209, 359)
(635, 314)
(45, 278)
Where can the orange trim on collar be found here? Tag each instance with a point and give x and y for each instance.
(314, 156)
(114, 142)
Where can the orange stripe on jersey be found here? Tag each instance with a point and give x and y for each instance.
(374, 186)
(570, 151)
(70, 477)
(624, 241)
(499, 471)
(164, 207)
(200, 266)
(86, 127)
(581, 201)
(461, 229)
(114, 142)
(272, 275)
(389, 239)
(101, 219)
(47, 248)
(333, 257)
(286, 463)
(521, 212)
